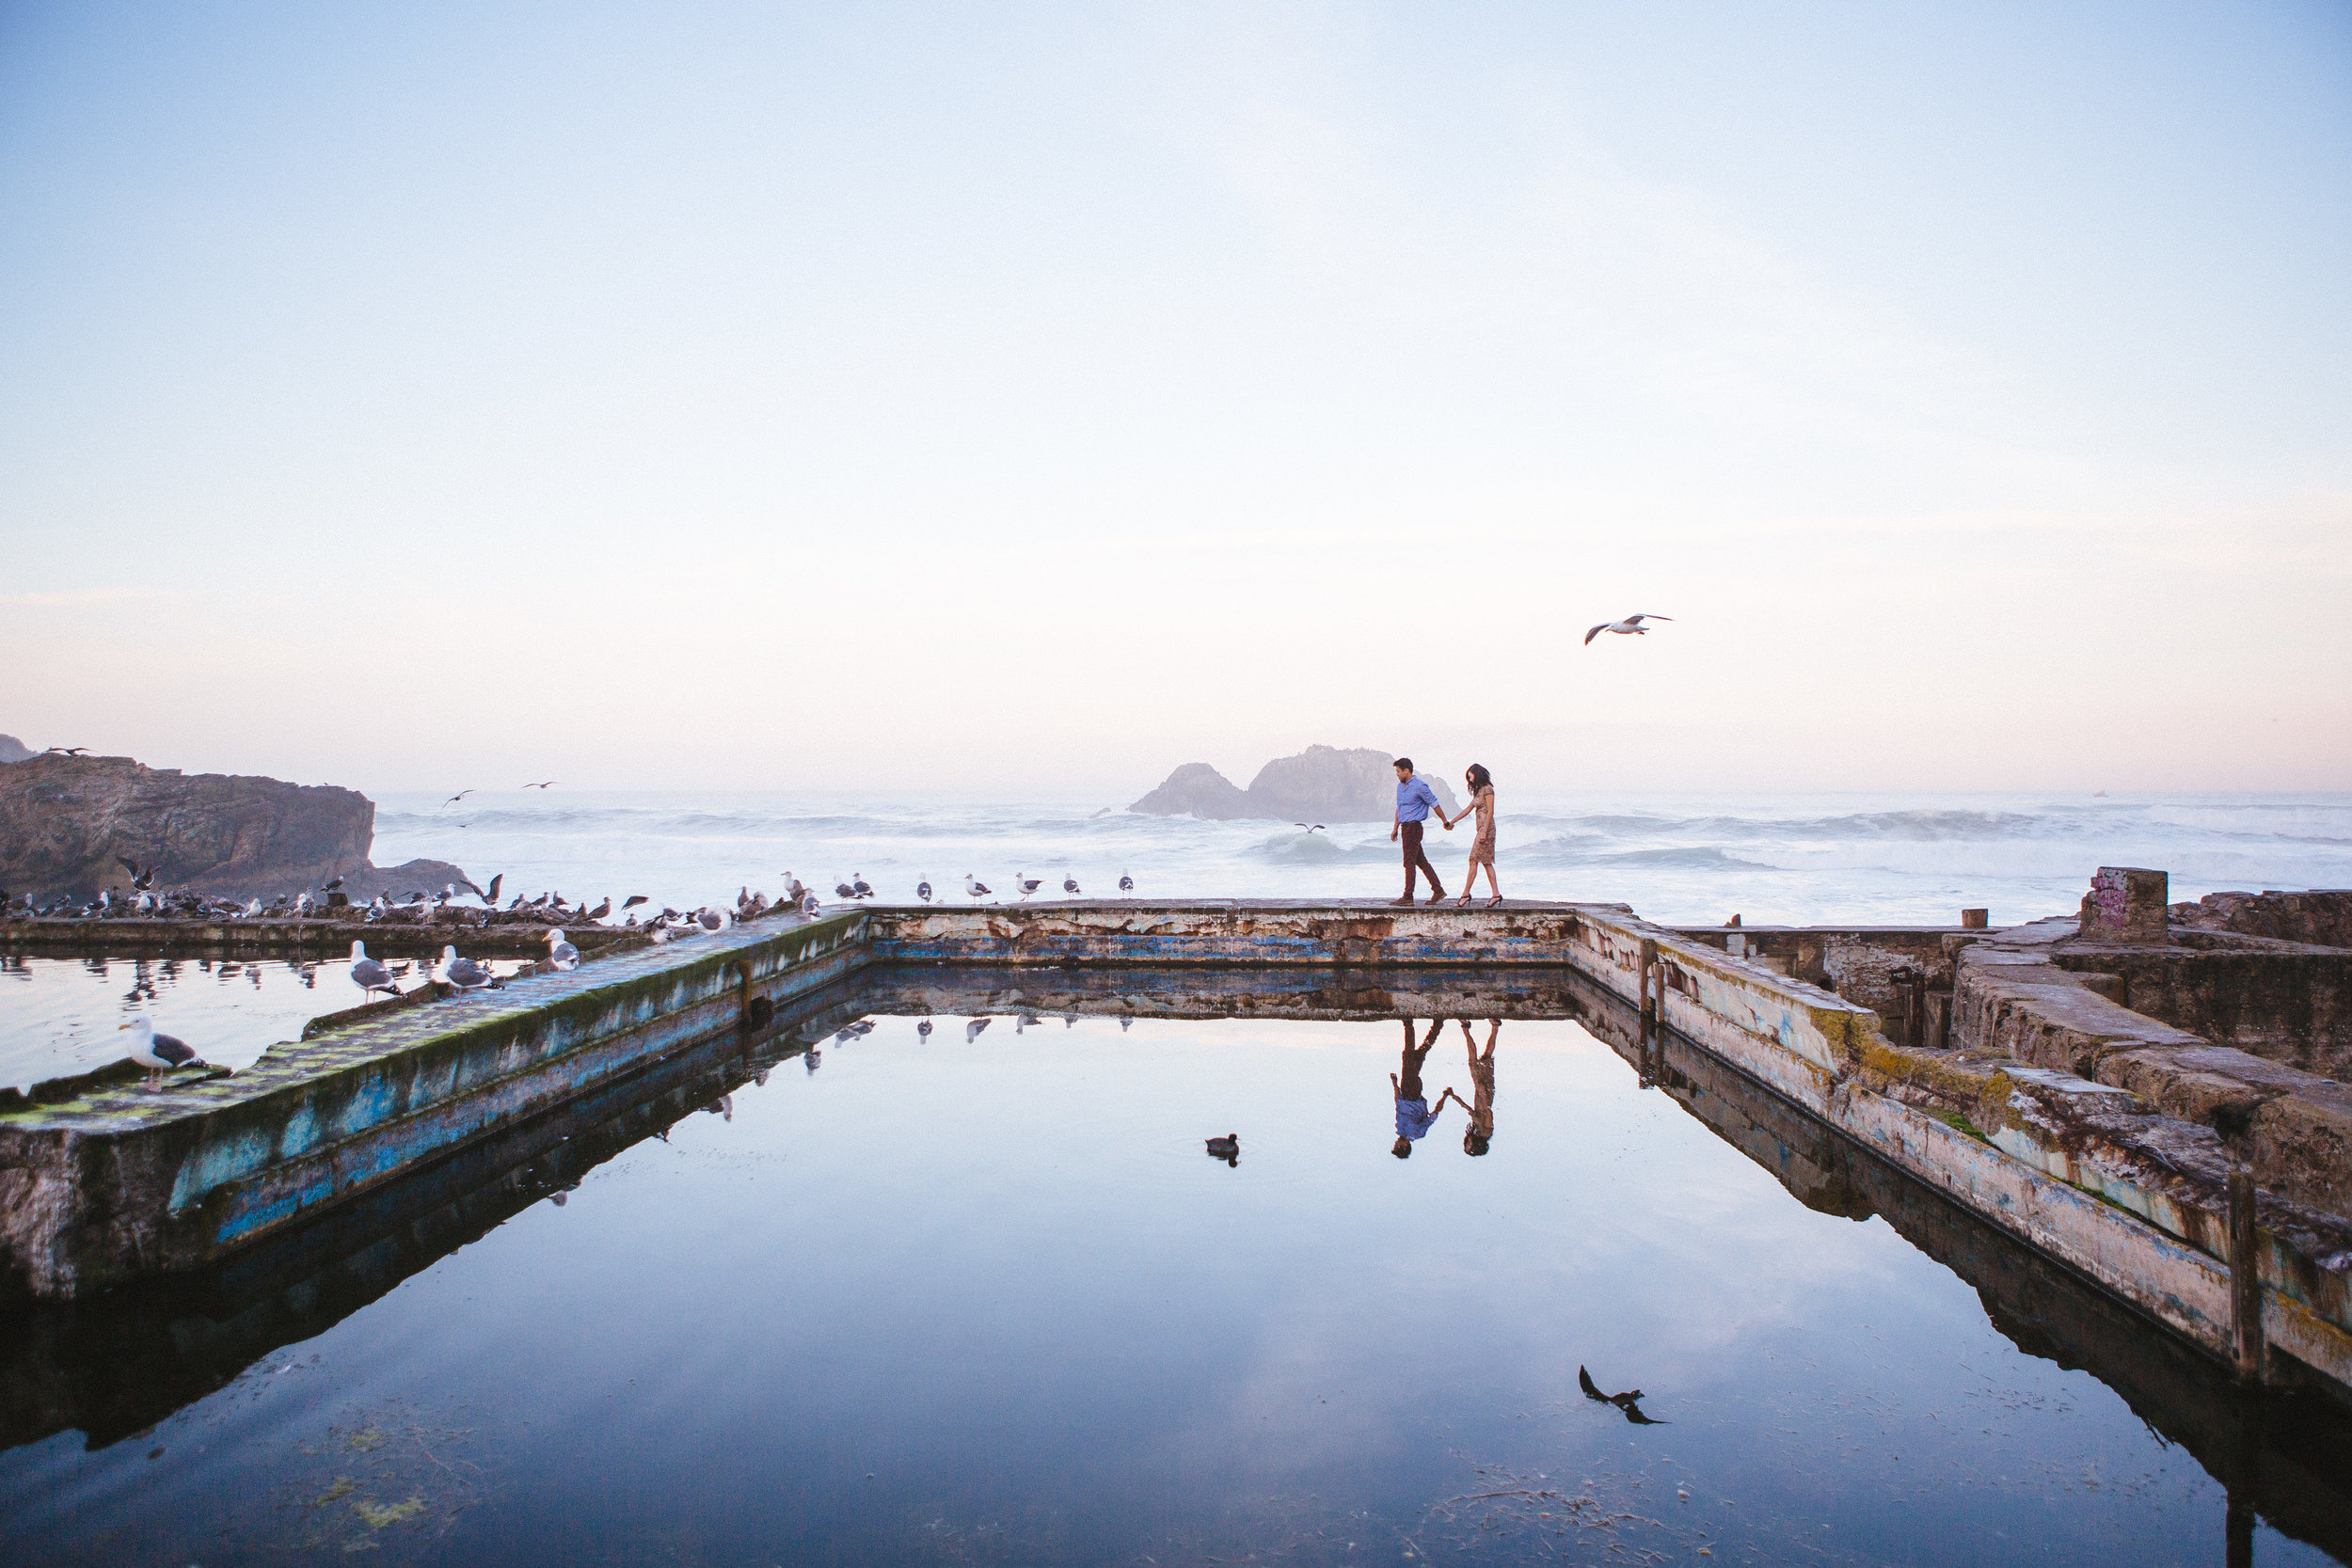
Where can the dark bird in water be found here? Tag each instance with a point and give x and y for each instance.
(1127, 884)
(1630, 626)
(454, 799)
(156, 1052)
(633, 900)
(923, 890)
(463, 974)
(1227, 1148)
(1070, 886)
(551, 784)
(369, 975)
(70, 752)
(141, 880)
(1629, 1401)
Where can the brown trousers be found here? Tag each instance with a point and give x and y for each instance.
(1416, 860)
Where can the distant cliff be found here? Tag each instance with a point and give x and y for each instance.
(1322, 783)
(13, 750)
(66, 823)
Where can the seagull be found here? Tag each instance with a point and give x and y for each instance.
(1127, 884)
(633, 900)
(1310, 827)
(562, 953)
(463, 974)
(711, 920)
(140, 880)
(923, 1029)
(860, 886)
(369, 975)
(1070, 886)
(975, 888)
(548, 785)
(1630, 626)
(71, 751)
(843, 892)
(1027, 883)
(332, 884)
(601, 909)
(454, 799)
(972, 1030)
(923, 890)
(156, 1052)
(1629, 1401)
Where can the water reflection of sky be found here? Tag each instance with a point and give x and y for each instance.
(989, 1301)
(61, 1016)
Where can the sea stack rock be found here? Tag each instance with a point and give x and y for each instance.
(1197, 790)
(13, 750)
(67, 823)
(1322, 783)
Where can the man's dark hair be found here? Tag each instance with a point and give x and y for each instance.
(1406, 763)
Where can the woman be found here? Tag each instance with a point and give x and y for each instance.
(1481, 791)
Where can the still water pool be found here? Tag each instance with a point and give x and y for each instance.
(978, 1295)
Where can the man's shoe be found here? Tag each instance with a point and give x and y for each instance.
(1404, 903)
(1436, 898)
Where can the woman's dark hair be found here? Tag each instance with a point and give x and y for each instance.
(1478, 778)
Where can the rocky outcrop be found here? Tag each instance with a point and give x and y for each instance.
(2321, 916)
(1322, 783)
(13, 750)
(1197, 790)
(67, 822)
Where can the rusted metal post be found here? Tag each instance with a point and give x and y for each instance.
(1974, 920)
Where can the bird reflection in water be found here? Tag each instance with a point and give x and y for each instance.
(1630, 1402)
(1481, 1131)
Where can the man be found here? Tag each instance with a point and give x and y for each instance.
(1414, 803)
(1413, 1116)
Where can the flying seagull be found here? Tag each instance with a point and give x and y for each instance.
(454, 799)
(140, 880)
(73, 751)
(1630, 626)
(550, 782)
(155, 1052)
(369, 975)
(1310, 827)
(633, 900)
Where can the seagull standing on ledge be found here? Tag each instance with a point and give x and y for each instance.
(1127, 884)
(463, 974)
(1630, 626)
(923, 890)
(1027, 883)
(156, 1052)
(1070, 886)
(562, 953)
(369, 975)
(973, 887)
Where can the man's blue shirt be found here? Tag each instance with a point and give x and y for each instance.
(1414, 801)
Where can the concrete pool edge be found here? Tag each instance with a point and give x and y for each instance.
(117, 1185)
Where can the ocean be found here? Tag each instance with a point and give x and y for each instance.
(1777, 858)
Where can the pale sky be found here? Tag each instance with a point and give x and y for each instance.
(1006, 397)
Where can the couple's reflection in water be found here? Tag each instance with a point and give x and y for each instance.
(1415, 1115)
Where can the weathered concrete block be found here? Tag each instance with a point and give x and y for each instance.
(2301, 1146)
(2125, 904)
